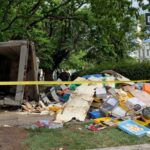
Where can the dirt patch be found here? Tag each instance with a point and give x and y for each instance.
(12, 138)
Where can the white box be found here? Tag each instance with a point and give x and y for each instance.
(131, 102)
(101, 93)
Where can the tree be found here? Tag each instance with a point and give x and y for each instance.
(68, 33)
(51, 24)
(115, 27)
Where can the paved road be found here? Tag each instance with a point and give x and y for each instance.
(133, 147)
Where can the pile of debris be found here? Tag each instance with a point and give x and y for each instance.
(126, 105)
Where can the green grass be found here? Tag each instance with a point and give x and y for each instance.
(76, 137)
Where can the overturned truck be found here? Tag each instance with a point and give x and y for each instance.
(17, 63)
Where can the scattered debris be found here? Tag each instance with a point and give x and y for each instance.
(148, 133)
(96, 127)
(111, 104)
(46, 124)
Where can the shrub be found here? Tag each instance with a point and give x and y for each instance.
(132, 70)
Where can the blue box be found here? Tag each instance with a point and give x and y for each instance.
(95, 114)
(133, 128)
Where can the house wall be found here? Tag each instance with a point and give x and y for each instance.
(142, 53)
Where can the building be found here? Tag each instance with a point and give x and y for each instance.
(143, 53)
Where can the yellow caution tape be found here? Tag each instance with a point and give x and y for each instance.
(66, 82)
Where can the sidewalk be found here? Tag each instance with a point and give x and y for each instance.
(132, 147)
(20, 119)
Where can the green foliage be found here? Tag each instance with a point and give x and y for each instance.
(131, 69)
(103, 30)
(44, 47)
(51, 24)
(74, 61)
(115, 28)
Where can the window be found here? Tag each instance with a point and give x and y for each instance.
(148, 19)
(147, 52)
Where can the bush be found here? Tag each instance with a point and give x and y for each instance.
(132, 70)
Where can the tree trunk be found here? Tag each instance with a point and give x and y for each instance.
(48, 74)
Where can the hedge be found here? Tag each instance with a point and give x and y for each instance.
(131, 70)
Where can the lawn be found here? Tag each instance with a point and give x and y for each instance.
(76, 137)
